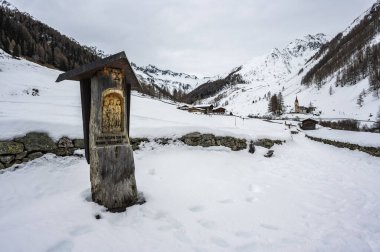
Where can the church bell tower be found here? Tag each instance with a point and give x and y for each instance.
(296, 106)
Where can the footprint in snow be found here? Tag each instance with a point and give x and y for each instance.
(86, 195)
(159, 215)
(242, 234)
(207, 224)
(196, 208)
(165, 228)
(182, 237)
(255, 189)
(270, 227)
(80, 230)
(219, 242)
(152, 172)
(171, 224)
(226, 201)
(62, 246)
(251, 199)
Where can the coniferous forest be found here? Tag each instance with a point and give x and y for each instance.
(352, 55)
(22, 35)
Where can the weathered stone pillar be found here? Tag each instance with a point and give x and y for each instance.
(105, 94)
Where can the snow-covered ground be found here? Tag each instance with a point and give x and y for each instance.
(361, 138)
(308, 197)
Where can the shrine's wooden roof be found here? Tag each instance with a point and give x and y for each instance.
(118, 60)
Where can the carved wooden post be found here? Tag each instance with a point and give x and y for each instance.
(105, 94)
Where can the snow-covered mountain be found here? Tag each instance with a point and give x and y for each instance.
(277, 66)
(167, 79)
(330, 75)
(8, 5)
(267, 73)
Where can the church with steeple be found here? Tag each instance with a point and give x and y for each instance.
(302, 109)
(296, 106)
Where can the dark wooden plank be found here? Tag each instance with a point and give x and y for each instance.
(85, 92)
(128, 90)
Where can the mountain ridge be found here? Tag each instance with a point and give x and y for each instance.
(272, 68)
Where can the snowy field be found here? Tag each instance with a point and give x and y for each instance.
(308, 197)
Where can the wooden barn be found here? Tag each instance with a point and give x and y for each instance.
(308, 124)
(196, 110)
(184, 107)
(219, 110)
(205, 108)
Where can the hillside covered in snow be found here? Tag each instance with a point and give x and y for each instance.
(330, 75)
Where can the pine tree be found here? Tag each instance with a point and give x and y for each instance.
(273, 104)
(331, 91)
(360, 100)
(377, 123)
(175, 93)
(17, 51)
(280, 102)
(310, 105)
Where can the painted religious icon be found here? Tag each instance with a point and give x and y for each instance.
(112, 112)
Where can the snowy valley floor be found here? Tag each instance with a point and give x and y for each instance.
(307, 197)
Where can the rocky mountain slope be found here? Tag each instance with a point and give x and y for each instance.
(261, 73)
(167, 79)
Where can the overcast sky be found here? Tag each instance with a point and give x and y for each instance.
(204, 37)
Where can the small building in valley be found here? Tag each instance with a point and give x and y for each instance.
(219, 110)
(183, 107)
(302, 109)
(308, 124)
(206, 108)
(196, 110)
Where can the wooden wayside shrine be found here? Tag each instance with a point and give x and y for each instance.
(105, 87)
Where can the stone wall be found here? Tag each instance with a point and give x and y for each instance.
(35, 144)
(370, 150)
(207, 140)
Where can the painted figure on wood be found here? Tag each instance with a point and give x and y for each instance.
(112, 113)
